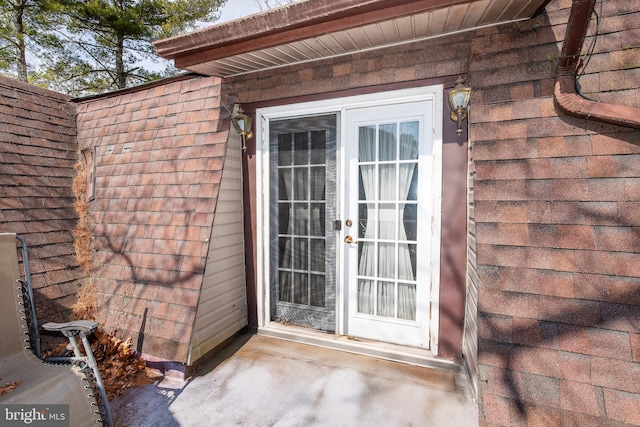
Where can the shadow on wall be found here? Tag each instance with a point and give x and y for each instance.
(151, 220)
(147, 288)
(452, 314)
(559, 298)
(548, 324)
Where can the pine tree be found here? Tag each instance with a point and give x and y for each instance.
(24, 35)
(105, 43)
(85, 47)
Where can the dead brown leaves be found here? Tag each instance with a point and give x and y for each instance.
(85, 307)
(8, 387)
(82, 233)
(117, 361)
(119, 365)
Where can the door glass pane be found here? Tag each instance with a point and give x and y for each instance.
(406, 261)
(317, 222)
(300, 288)
(284, 219)
(367, 257)
(301, 148)
(409, 170)
(286, 287)
(317, 255)
(317, 290)
(366, 296)
(387, 214)
(388, 182)
(318, 147)
(300, 183)
(300, 218)
(284, 149)
(388, 145)
(367, 143)
(317, 183)
(285, 252)
(387, 260)
(409, 138)
(284, 184)
(407, 301)
(386, 299)
(367, 189)
(363, 212)
(300, 254)
(408, 222)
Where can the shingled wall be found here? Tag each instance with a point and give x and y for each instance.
(434, 62)
(159, 152)
(37, 154)
(558, 227)
(556, 205)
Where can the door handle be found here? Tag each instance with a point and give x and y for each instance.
(349, 239)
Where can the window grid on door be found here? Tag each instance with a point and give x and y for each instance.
(302, 209)
(387, 223)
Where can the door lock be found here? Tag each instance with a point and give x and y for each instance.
(349, 239)
(348, 223)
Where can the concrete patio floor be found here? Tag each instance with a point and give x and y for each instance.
(263, 381)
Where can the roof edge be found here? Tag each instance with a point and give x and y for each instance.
(292, 23)
(143, 86)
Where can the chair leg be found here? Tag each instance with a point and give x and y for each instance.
(74, 344)
(91, 361)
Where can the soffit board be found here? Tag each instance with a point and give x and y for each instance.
(319, 29)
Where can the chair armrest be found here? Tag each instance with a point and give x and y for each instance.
(84, 328)
(72, 328)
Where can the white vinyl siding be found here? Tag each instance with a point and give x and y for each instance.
(222, 309)
(470, 337)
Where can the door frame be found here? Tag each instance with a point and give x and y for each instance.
(341, 106)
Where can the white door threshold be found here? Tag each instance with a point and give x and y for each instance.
(381, 350)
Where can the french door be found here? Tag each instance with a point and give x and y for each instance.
(353, 223)
(388, 188)
(303, 211)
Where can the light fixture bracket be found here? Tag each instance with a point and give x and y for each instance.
(242, 125)
(459, 98)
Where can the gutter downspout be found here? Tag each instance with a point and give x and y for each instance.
(566, 95)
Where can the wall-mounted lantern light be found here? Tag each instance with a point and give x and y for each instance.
(242, 125)
(459, 102)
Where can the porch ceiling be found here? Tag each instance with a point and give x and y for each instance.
(318, 29)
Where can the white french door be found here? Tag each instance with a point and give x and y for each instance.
(351, 215)
(389, 215)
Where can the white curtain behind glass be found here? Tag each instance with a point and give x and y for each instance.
(366, 267)
(394, 187)
(409, 137)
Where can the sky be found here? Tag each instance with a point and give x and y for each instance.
(235, 9)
